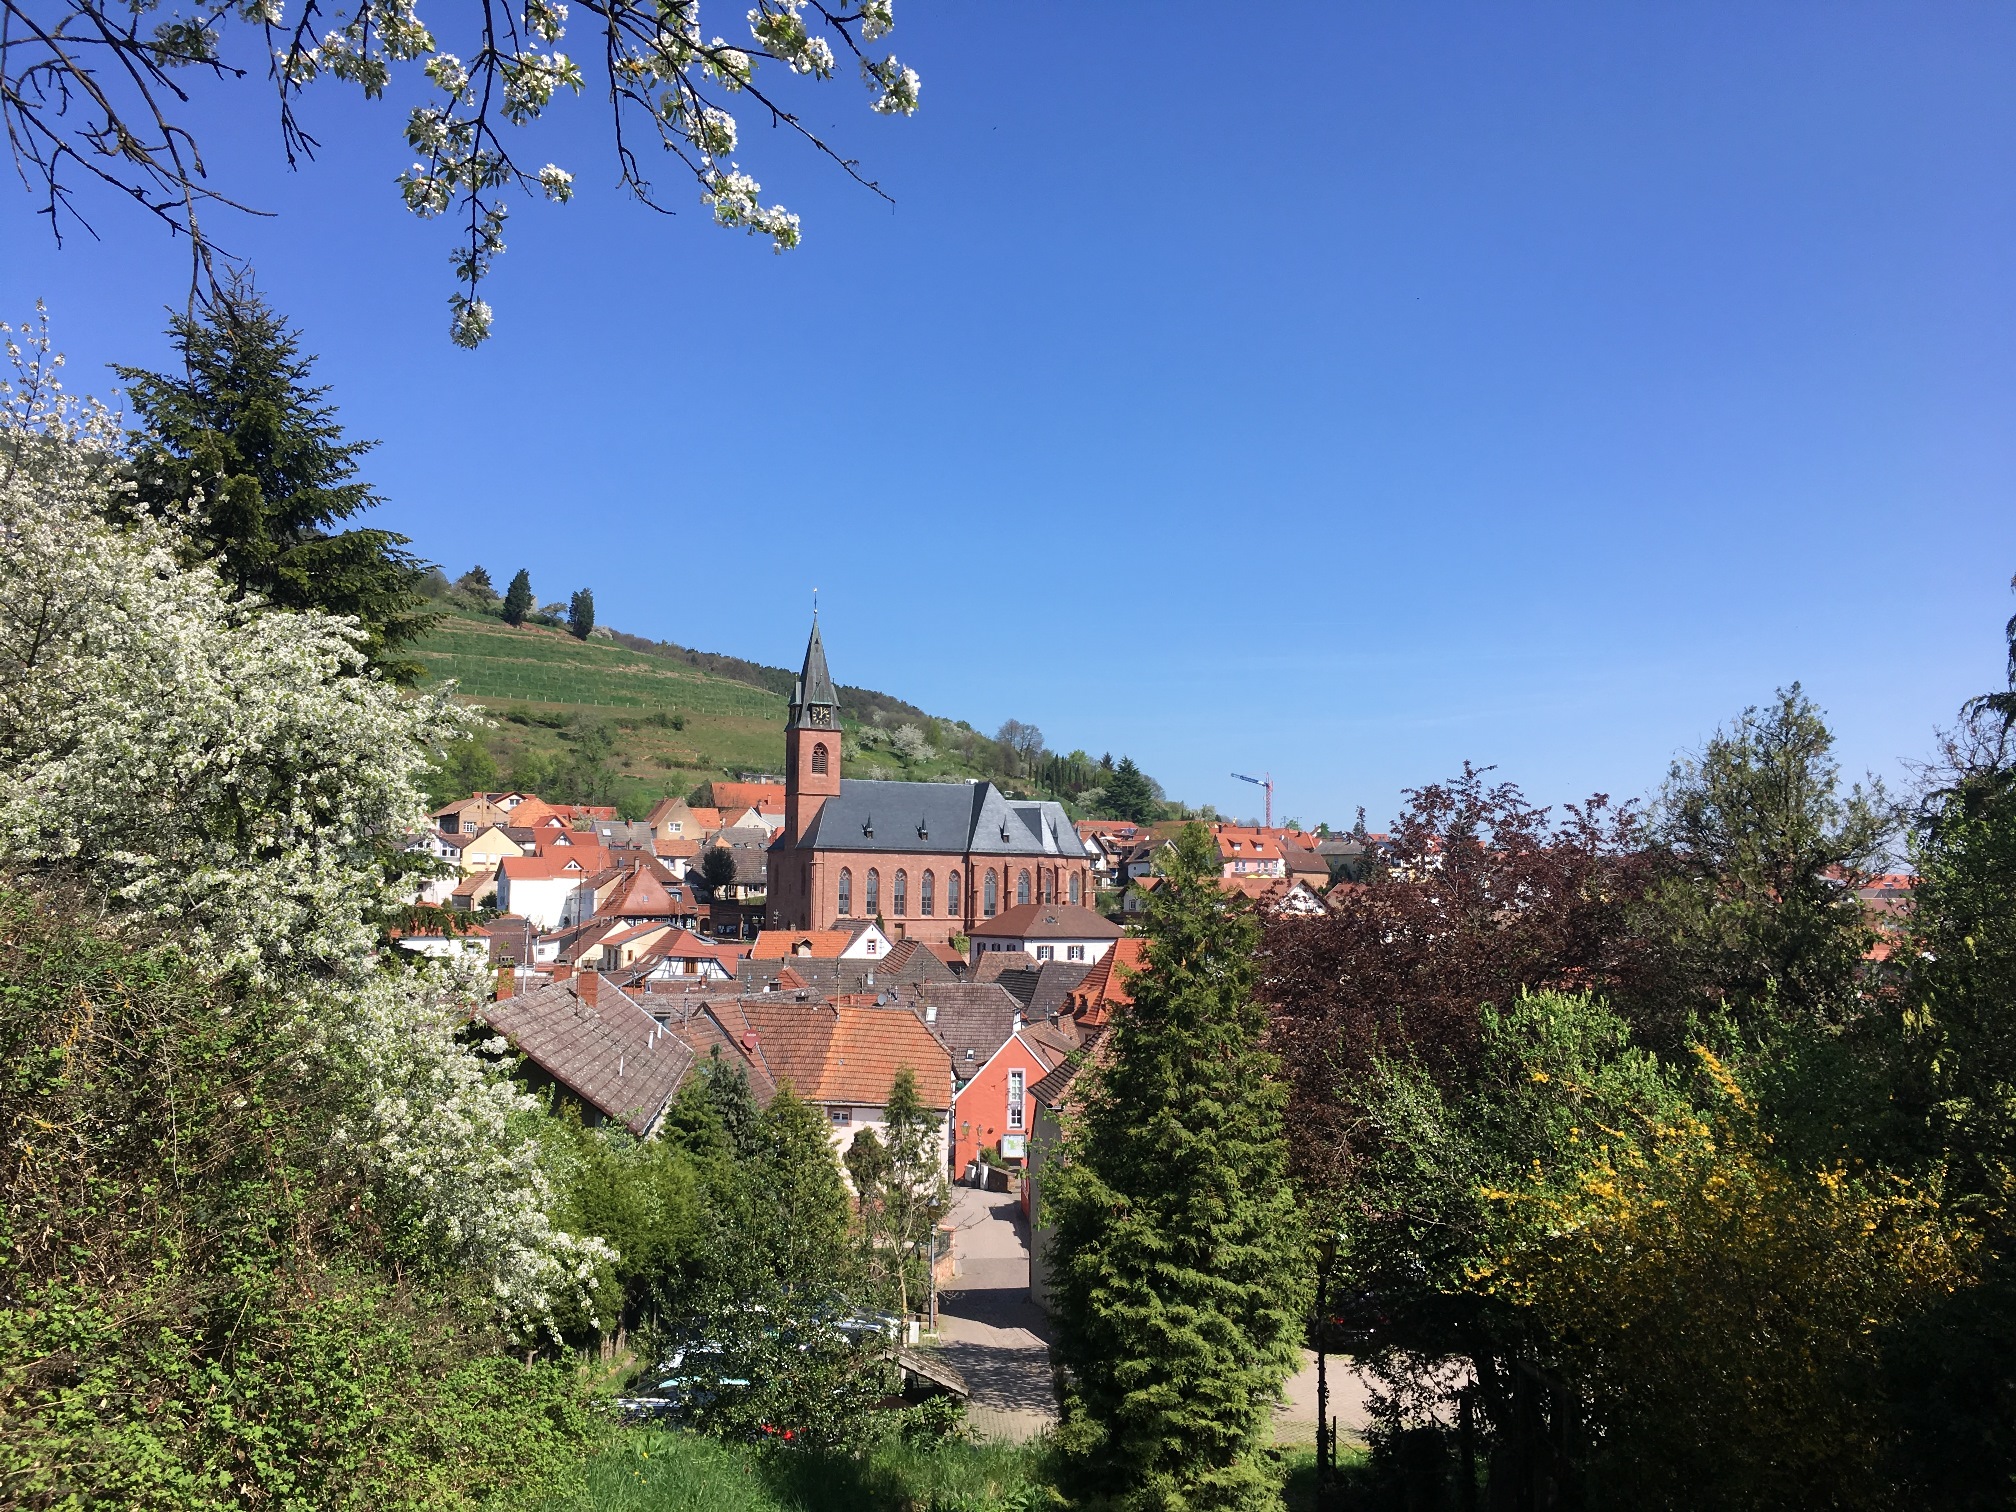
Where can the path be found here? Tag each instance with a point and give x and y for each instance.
(987, 1326)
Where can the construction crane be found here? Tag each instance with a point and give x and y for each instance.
(1266, 784)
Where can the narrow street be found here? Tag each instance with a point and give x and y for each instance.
(988, 1328)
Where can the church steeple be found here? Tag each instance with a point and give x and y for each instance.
(814, 704)
(811, 743)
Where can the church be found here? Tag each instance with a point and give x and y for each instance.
(930, 859)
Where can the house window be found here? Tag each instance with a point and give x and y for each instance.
(841, 1117)
(901, 896)
(1045, 953)
(924, 895)
(1077, 895)
(952, 895)
(1022, 888)
(846, 892)
(874, 892)
(1015, 1099)
(819, 759)
(1074, 952)
(990, 895)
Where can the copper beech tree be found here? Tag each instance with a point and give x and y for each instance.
(1478, 896)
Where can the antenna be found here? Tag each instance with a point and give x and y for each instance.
(1267, 784)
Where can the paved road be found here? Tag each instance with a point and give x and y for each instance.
(1000, 1340)
(988, 1328)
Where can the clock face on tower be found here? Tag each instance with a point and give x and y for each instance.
(820, 716)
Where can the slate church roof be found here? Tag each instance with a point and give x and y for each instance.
(941, 817)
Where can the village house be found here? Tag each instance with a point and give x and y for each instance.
(930, 859)
(864, 942)
(543, 888)
(1046, 932)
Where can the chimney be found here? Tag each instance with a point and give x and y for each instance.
(507, 982)
(588, 987)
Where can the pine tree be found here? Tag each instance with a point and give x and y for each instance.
(243, 427)
(1180, 1258)
(518, 598)
(1129, 794)
(581, 613)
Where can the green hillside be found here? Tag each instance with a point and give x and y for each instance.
(594, 721)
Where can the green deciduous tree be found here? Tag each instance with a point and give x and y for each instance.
(899, 1184)
(243, 429)
(581, 614)
(465, 767)
(1180, 1258)
(518, 598)
(1765, 850)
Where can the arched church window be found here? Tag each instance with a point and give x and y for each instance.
(1077, 896)
(874, 893)
(901, 894)
(924, 895)
(1047, 878)
(1022, 887)
(990, 895)
(952, 895)
(846, 892)
(819, 758)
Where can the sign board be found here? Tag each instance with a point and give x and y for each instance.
(1014, 1146)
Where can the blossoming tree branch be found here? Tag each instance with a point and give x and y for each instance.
(94, 91)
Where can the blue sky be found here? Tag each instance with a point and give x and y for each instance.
(1341, 391)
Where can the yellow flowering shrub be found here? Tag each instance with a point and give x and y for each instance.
(1718, 1310)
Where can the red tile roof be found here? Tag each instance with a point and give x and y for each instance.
(1047, 921)
(745, 795)
(1105, 985)
(848, 1054)
(781, 944)
(568, 861)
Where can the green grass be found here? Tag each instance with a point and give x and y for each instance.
(493, 662)
(549, 679)
(648, 1470)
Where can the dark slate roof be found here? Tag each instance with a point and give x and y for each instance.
(1047, 989)
(815, 683)
(613, 1056)
(827, 976)
(974, 1019)
(952, 818)
(1054, 1091)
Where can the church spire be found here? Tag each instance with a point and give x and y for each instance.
(815, 684)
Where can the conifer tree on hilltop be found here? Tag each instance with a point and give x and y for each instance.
(242, 427)
(518, 598)
(1180, 1256)
(1130, 795)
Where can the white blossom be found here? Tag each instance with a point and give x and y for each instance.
(733, 196)
(557, 182)
(899, 86)
(228, 777)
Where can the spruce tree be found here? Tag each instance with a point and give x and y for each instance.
(518, 598)
(1180, 1259)
(1129, 794)
(243, 427)
(581, 613)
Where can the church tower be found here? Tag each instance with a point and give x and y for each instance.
(811, 743)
